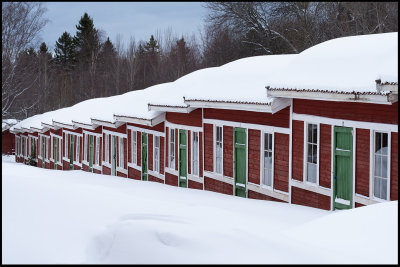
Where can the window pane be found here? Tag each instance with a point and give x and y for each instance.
(311, 172)
(309, 130)
(314, 154)
(378, 165)
(377, 141)
(384, 150)
(384, 166)
(309, 153)
(377, 187)
(383, 188)
(315, 134)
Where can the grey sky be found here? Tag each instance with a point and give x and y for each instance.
(137, 19)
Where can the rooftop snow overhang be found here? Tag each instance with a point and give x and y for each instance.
(383, 97)
(171, 108)
(59, 125)
(77, 125)
(48, 126)
(274, 106)
(26, 130)
(97, 122)
(15, 130)
(148, 122)
(37, 129)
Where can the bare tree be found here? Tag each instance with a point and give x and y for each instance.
(21, 25)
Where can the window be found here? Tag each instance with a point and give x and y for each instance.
(195, 153)
(134, 147)
(156, 153)
(47, 147)
(218, 150)
(85, 148)
(172, 149)
(66, 145)
(107, 148)
(121, 152)
(16, 145)
(52, 145)
(59, 150)
(312, 153)
(97, 150)
(267, 162)
(78, 148)
(381, 165)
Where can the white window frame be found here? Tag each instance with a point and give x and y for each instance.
(171, 161)
(121, 152)
(156, 153)
(78, 148)
(47, 148)
(59, 151)
(215, 149)
(134, 147)
(97, 161)
(85, 148)
(262, 150)
(197, 154)
(305, 151)
(372, 183)
(16, 145)
(66, 145)
(107, 148)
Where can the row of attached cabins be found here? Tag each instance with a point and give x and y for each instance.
(323, 148)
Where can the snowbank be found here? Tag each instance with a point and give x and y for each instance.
(71, 217)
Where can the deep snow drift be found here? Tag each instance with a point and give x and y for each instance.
(53, 216)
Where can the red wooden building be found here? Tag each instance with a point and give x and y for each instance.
(319, 141)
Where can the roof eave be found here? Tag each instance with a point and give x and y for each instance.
(77, 125)
(59, 125)
(387, 99)
(141, 121)
(170, 108)
(257, 107)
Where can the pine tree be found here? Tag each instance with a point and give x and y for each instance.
(152, 46)
(65, 54)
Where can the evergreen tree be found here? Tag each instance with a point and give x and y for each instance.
(152, 45)
(65, 54)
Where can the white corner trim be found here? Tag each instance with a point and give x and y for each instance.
(260, 127)
(73, 133)
(155, 174)
(219, 177)
(312, 188)
(195, 178)
(138, 129)
(346, 123)
(183, 127)
(122, 135)
(364, 200)
(122, 170)
(268, 192)
(134, 166)
(171, 171)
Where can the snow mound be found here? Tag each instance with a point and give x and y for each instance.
(343, 64)
(364, 235)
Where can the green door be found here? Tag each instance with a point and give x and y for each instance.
(43, 151)
(182, 159)
(343, 168)
(91, 153)
(71, 151)
(55, 153)
(240, 161)
(113, 155)
(144, 156)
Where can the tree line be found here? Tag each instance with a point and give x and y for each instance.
(86, 64)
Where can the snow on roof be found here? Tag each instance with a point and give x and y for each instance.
(343, 65)
(7, 123)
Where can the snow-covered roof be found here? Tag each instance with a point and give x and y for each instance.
(342, 65)
(7, 123)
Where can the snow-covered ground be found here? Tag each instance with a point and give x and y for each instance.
(53, 216)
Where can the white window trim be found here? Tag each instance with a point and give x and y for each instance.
(106, 149)
(77, 150)
(192, 153)
(169, 150)
(97, 151)
(122, 135)
(305, 150)
(372, 173)
(134, 149)
(65, 155)
(138, 129)
(262, 160)
(121, 157)
(154, 154)
(183, 127)
(215, 149)
(248, 126)
(156, 174)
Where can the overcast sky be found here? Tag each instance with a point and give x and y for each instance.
(138, 19)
